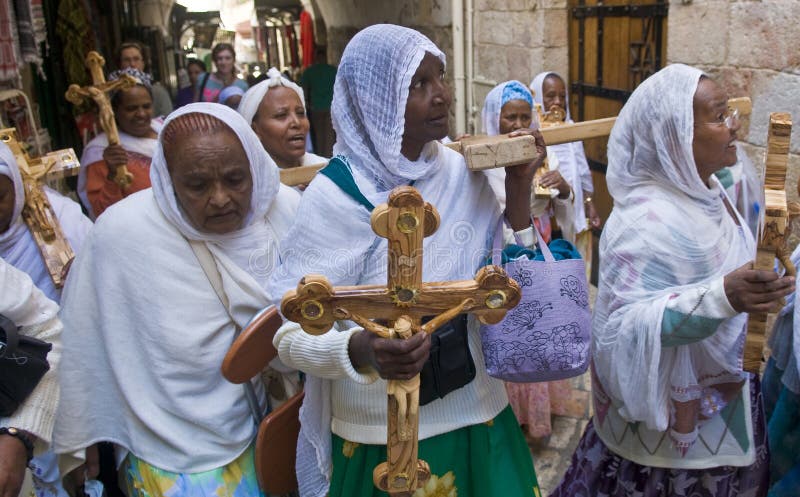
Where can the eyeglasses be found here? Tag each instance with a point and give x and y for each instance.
(730, 116)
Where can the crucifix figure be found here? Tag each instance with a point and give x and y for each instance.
(38, 214)
(98, 92)
(405, 220)
(773, 237)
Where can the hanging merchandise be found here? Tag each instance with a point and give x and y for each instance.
(75, 33)
(9, 65)
(31, 30)
(307, 38)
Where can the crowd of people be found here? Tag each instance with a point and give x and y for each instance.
(206, 236)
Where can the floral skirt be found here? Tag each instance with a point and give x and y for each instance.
(486, 460)
(535, 403)
(595, 470)
(236, 479)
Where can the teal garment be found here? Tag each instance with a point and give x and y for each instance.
(560, 248)
(681, 329)
(782, 408)
(318, 81)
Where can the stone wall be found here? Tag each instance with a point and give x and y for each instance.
(752, 47)
(517, 39)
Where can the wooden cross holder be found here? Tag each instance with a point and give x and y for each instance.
(405, 221)
(98, 92)
(37, 213)
(772, 243)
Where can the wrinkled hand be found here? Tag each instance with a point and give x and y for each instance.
(755, 290)
(393, 359)
(525, 172)
(594, 218)
(13, 457)
(114, 156)
(553, 179)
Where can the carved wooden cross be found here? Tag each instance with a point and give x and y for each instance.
(405, 221)
(38, 214)
(98, 92)
(772, 243)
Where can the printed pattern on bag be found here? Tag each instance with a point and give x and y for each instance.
(571, 287)
(546, 337)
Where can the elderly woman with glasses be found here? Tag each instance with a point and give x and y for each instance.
(674, 413)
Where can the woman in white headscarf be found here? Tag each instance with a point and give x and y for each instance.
(18, 248)
(390, 108)
(276, 110)
(674, 412)
(146, 329)
(509, 107)
(17, 245)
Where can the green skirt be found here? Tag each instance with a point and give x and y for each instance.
(486, 460)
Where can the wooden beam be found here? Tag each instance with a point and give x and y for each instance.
(488, 152)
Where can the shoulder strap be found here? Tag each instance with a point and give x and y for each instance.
(10, 336)
(339, 172)
(206, 260)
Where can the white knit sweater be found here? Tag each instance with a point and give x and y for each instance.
(26, 305)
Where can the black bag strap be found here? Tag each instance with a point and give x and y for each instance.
(339, 172)
(203, 87)
(11, 335)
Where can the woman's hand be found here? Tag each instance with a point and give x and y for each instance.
(594, 218)
(756, 290)
(393, 359)
(114, 156)
(518, 183)
(13, 460)
(553, 179)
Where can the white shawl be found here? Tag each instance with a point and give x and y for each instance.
(667, 231)
(17, 246)
(145, 332)
(93, 152)
(335, 237)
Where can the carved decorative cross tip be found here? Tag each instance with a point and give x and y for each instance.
(404, 221)
(98, 93)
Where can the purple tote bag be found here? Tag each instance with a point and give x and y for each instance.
(546, 336)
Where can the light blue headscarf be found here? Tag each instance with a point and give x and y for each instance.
(497, 98)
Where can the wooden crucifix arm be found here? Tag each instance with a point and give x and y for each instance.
(371, 326)
(446, 316)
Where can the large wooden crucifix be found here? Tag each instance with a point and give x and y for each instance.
(489, 152)
(98, 93)
(37, 213)
(405, 221)
(773, 242)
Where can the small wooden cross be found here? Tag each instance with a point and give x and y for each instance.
(38, 214)
(98, 92)
(773, 242)
(405, 221)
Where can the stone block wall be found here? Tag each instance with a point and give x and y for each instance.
(751, 47)
(517, 39)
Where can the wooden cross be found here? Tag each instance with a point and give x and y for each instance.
(98, 93)
(405, 221)
(490, 152)
(37, 213)
(772, 243)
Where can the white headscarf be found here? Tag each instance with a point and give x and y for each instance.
(17, 245)
(153, 363)
(264, 171)
(369, 102)
(252, 98)
(538, 92)
(668, 231)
